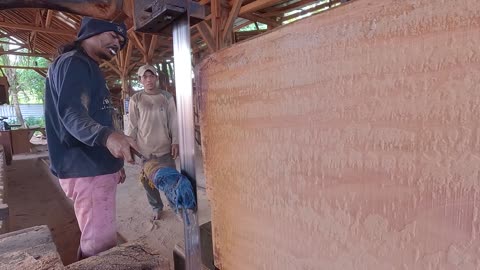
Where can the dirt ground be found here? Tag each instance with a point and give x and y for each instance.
(35, 198)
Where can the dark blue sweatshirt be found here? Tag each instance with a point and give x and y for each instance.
(78, 118)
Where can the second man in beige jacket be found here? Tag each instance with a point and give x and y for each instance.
(153, 124)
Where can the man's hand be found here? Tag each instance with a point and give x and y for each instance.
(175, 150)
(119, 145)
(123, 176)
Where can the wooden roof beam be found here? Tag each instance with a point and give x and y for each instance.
(240, 26)
(44, 55)
(128, 56)
(206, 34)
(48, 20)
(9, 43)
(39, 18)
(312, 9)
(285, 9)
(23, 67)
(138, 44)
(257, 18)
(9, 35)
(130, 67)
(112, 67)
(151, 49)
(257, 5)
(231, 18)
(20, 46)
(42, 72)
(37, 29)
(246, 12)
(216, 22)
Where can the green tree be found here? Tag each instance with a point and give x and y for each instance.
(14, 87)
(32, 84)
(26, 86)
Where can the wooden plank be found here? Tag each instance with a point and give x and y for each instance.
(348, 140)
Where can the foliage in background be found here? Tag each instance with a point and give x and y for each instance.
(31, 83)
(35, 121)
(253, 27)
(26, 86)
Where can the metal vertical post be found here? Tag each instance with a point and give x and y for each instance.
(183, 85)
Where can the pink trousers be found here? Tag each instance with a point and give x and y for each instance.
(94, 204)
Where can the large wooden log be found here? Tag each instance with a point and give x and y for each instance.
(349, 140)
(130, 256)
(31, 248)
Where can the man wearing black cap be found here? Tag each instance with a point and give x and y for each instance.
(86, 153)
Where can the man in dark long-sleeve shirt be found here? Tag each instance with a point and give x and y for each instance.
(85, 152)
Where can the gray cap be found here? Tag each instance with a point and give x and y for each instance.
(144, 68)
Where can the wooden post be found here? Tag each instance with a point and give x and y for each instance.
(216, 23)
(227, 34)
